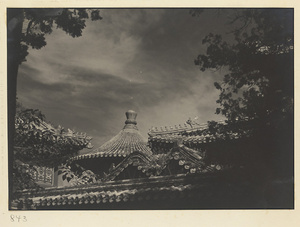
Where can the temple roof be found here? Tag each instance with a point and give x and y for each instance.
(125, 191)
(188, 127)
(169, 138)
(153, 165)
(127, 141)
(46, 129)
(193, 133)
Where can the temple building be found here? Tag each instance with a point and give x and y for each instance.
(132, 169)
(127, 143)
(176, 168)
(128, 155)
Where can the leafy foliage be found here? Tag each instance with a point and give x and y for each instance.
(77, 175)
(37, 142)
(40, 143)
(256, 92)
(259, 61)
(22, 178)
(40, 22)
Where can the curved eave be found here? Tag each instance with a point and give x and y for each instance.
(189, 139)
(126, 142)
(97, 155)
(110, 154)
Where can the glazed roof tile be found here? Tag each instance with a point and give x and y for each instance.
(181, 128)
(186, 139)
(112, 192)
(43, 126)
(127, 141)
(190, 139)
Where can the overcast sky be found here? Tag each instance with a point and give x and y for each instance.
(139, 59)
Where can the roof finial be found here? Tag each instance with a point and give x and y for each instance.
(131, 116)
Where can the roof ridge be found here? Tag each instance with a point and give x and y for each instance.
(179, 128)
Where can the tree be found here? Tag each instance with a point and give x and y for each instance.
(259, 61)
(39, 22)
(256, 93)
(39, 143)
(77, 175)
(26, 28)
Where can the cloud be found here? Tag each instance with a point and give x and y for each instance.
(132, 59)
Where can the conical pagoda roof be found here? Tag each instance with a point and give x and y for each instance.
(127, 141)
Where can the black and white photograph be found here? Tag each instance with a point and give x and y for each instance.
(171, 108)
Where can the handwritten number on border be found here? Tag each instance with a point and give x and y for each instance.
(18, 218)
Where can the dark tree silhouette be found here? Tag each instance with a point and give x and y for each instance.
(256, 97)
(27, 28)
(259, 61)
(257, 92)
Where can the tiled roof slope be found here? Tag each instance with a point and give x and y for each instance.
(127, 141)
(47, 130)
(190, 128)
(156, 188)
(199, 139)
(153, 165)
(192, 135)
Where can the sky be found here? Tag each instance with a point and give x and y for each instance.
(138, 59)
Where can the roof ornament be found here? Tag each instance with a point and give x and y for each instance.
(127, 141)
(130, 123)
(131, 117)
(192, 122)
(179, 142)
